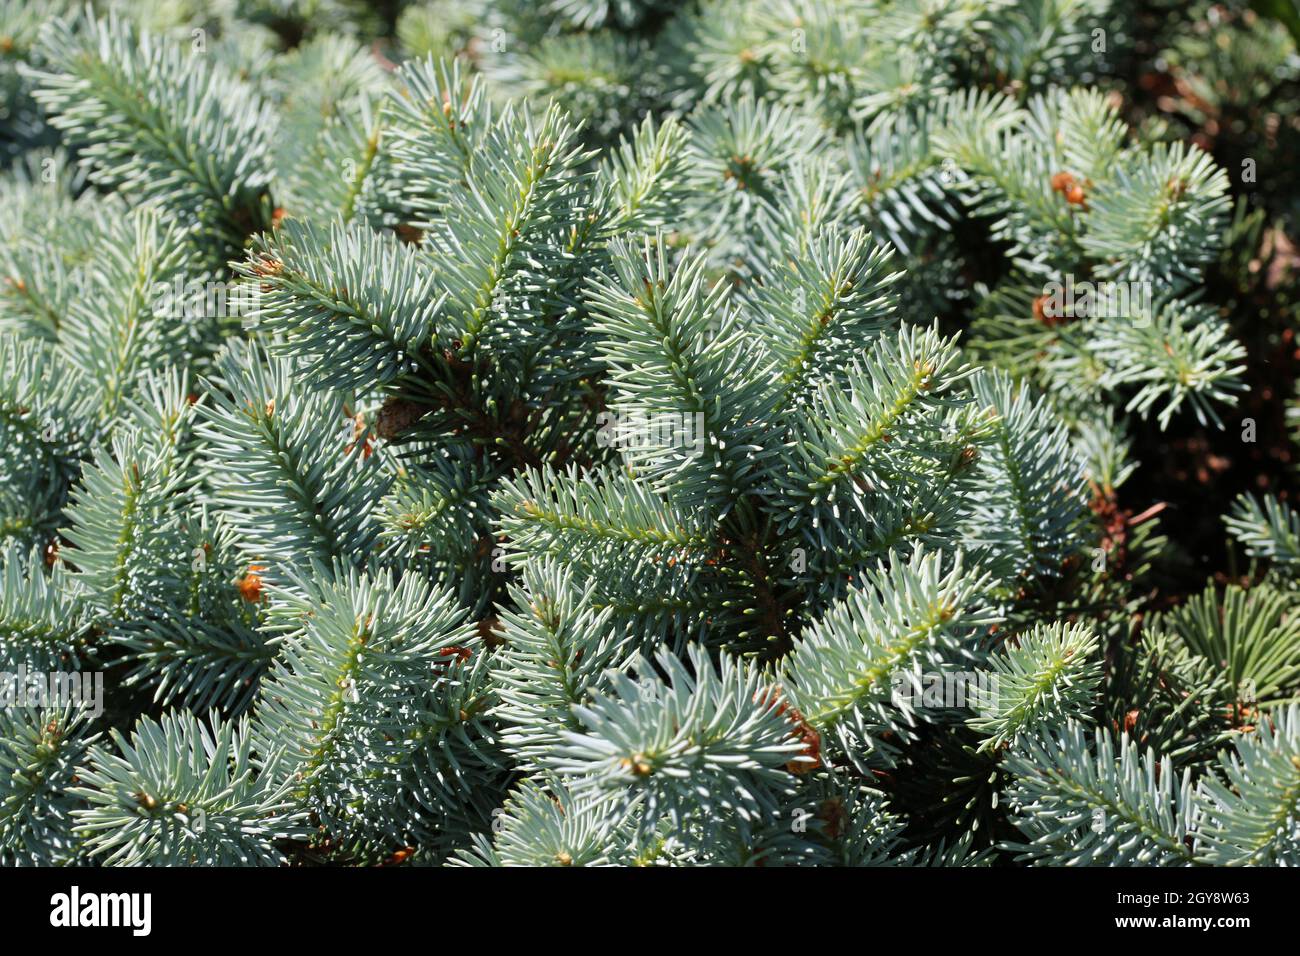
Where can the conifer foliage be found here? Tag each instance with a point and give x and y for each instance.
(643, 433)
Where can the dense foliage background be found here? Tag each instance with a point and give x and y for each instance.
(582, 431)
